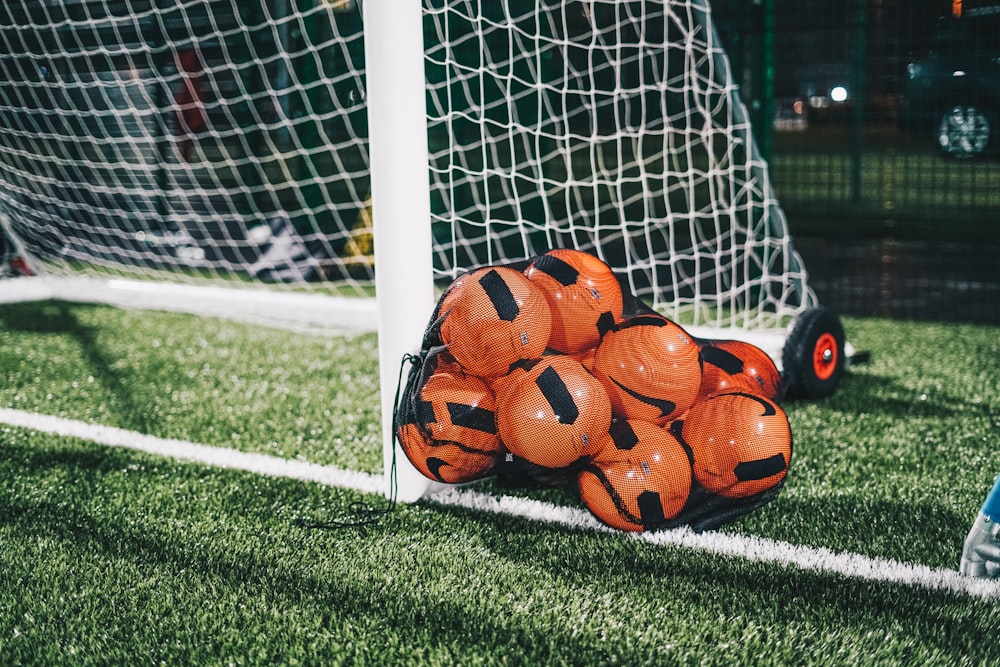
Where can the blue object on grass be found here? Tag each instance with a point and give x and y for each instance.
(991, 507)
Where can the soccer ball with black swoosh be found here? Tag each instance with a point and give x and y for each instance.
(650, 367)
(741, 443)
(451, 433)
(640, 480)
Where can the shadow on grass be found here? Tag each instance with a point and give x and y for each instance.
(64, 319)
(864, 392)
(42, 317)
(393, 609)
(763, 594)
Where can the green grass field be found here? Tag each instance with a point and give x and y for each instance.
(114, 556)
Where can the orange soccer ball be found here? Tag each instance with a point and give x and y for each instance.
(735, 365)
(640, 480)
(651, 368)
(584, 296)
(553, 413)
(493, 317)
(741, 443)
(452, 437)
(444, 462)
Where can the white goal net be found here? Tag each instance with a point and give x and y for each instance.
(227, 141)
(612, 127)
(190, 140)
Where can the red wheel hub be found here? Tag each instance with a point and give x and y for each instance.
(825, 356)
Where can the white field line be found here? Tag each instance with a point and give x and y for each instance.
(855, 566)
(181, 449)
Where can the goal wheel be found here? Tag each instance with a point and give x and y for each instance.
(813, 358)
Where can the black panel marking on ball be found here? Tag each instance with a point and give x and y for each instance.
(472, 416)
(605, 323)
(501, 297)
(623, 435)
(723, 359)
(651, 510)
(555, 392)
(565, 274)
(663, 405)
(425, 412)
(747, 471)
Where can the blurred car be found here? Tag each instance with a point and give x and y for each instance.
(951, 94)
(825, 90)
(790, 115)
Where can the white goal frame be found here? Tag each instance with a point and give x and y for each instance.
(405, 174)
(394, 48)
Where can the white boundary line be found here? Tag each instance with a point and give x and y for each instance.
(855, 566)
(181, 449)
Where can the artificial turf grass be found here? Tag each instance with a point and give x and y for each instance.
(201, 379)
(905, 446)
(907, 441)
(115, 557)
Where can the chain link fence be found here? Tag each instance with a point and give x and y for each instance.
(881, 123)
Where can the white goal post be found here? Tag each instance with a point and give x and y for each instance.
(394, 49)
(309, 154)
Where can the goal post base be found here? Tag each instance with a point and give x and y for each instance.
(294, 311)
(406, 484)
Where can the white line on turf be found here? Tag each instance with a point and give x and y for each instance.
(181, 449)
(851, 565)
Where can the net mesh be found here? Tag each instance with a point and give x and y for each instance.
(227, 141)
(640, 423)
(208, 139)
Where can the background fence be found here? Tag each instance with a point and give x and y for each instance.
(848, 98)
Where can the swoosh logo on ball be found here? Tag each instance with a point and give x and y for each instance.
(664, 406)
(764, 403)
(435, 464)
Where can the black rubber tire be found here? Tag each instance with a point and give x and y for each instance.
(813, 358)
